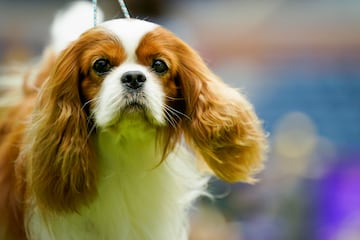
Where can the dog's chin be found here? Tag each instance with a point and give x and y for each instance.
(134, 107)
(133, 112)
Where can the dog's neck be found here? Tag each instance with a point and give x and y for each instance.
(138, 198)
(129, 148)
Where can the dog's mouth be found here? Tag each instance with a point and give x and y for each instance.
(135, 106)
(134, 101)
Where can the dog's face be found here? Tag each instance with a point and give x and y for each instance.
(132, 68)
(129, 68)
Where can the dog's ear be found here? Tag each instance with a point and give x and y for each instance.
(223, 127)
(61, 161)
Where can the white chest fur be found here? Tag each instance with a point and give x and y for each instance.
(137, 198)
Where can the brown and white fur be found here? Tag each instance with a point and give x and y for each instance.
(101, 146)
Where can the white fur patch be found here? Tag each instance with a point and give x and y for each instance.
(130, 32)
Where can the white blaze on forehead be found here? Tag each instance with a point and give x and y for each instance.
(130, 32)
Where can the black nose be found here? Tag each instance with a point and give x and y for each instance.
(133, 79)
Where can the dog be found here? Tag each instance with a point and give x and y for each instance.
(117, 135)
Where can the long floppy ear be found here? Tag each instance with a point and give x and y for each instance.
(223, 127)
(62, 165)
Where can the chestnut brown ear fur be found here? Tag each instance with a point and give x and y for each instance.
(61, 165)
(224, 129)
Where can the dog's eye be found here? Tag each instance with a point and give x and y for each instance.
(101, 66)
(159, 66)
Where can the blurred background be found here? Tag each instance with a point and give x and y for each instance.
(298, 61)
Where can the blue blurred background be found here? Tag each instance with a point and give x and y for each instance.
(298, 62)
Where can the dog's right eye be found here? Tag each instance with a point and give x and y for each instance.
(101, 66)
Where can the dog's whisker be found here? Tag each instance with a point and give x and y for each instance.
(88, 102)
(90, 118)
(170, 120)
(170, 111)
(92, 129)
(173, 98)
(176, 112)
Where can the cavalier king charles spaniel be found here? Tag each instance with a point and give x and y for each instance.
(115, 135)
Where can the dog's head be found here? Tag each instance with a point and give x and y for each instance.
(129, 67)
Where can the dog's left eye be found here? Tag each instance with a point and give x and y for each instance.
(101, 66)
(159, 66)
